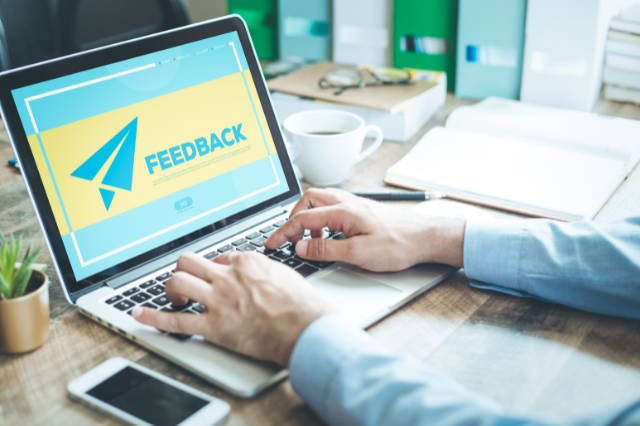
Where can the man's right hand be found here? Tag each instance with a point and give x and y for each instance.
(379, 237)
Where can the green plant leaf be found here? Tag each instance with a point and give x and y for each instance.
(2, 238)
(23, 274)
(3, 260)
(5, 291)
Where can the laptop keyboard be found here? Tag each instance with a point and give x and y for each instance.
(150, 294)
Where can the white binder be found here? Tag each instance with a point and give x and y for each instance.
(363, 32)
(564, 48)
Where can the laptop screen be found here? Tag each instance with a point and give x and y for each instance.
(138, 153)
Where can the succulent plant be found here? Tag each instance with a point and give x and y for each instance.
(13, 282)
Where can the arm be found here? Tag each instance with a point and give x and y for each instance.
(586, 265)
(348, 379)
(268, 311)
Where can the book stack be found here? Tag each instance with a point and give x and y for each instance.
(622, 61)
(398, 110)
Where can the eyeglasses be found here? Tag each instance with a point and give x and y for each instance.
(345, 78)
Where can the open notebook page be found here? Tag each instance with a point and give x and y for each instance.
(611, 137)
(519, 176)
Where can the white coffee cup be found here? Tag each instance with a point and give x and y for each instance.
(326, 144)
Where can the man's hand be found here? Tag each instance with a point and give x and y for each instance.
(252, 304)
(379, 237)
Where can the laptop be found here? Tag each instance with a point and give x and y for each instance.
(140, 151)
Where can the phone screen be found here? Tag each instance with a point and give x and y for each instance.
(147, 398)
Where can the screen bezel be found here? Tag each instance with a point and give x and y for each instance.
(72, 64)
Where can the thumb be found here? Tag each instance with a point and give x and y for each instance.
(326, 249)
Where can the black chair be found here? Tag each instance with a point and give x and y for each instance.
(87, 24)
(26, 33)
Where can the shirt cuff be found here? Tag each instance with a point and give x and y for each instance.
(492, 253)
(323, 347)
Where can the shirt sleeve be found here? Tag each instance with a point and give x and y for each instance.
(592, 266)
(349, 379)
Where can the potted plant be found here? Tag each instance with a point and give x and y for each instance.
(24, 299)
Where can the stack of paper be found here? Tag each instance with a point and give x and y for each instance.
(399, 110)
(622, 69)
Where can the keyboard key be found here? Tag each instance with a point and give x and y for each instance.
(198, 308)
(267, 229)
(149, 305)
(252, 236)
(307, 233)
(306, 270)
(339, 236)
(285, 245)
(239, 242)
(246, 247)
(182, 307)
(211, 255)
(225, 249)
(181, 337)
(157, 290)
(275, 258)
(292, 263)
(131, 291)
(168, 309)
(268, 234)
(113, 300)
(279, 223)
(164, 276)
(161, 301)
(148, 284)
(258, 242)
(140, 297)
(319, 264)
(124, 305)
(283, 254)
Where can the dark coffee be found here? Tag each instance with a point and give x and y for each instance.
(324, 133)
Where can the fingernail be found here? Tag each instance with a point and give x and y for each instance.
(301, 247)
(137, 311)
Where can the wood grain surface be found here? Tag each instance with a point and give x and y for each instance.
(530, 356)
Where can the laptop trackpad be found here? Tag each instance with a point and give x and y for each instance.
(355, 296)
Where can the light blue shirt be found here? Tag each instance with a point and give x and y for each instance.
(349, 379)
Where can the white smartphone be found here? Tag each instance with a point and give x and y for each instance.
(143, 397)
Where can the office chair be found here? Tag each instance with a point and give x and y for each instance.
(26, 33)
(87, 24)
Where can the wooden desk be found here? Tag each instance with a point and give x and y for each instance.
(532, 357)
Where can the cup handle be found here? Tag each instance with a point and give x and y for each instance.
(376, 144)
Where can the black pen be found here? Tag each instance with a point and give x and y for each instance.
(400, 196)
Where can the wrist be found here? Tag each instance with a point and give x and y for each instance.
(442, 241)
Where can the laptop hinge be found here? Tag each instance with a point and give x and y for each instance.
(196, 246)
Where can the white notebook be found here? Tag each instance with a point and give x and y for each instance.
(541, 161)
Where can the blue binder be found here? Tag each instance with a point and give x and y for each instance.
(490, 48)
(304, 29)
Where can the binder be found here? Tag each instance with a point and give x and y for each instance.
(563, 52)
(304, 29)
(363, 32)
(424, 36)
(490, 48)
(260, 16)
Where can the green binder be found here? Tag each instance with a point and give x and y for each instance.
(424, 36)
(260, 16)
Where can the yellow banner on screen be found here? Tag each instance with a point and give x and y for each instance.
(173, 141)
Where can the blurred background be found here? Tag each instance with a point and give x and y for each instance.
(552, 52)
